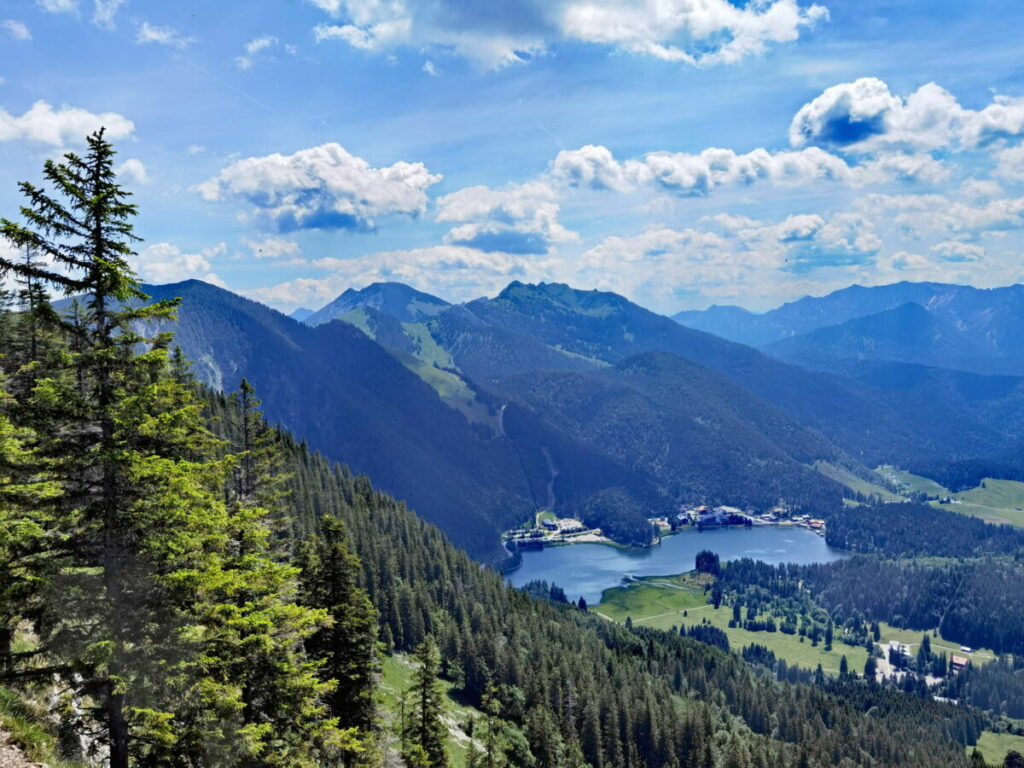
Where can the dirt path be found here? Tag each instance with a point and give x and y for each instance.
(11, 756)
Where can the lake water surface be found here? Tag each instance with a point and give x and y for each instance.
(588, 569)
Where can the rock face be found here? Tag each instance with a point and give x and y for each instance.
(11, 756)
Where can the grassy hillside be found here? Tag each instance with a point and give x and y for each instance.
(994, 746)
(856, 484)
(996, 501)
(660, 602)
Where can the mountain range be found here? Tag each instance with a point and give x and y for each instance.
(546, 396)
(935, 324)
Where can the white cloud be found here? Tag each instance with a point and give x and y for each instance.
(16, 30)
(698, 174)
(322, 187)
(169, 36)
(133, 170)
(273, 248)
(652, 27)
(980, 189)
(195, 149)
(58, 127)
(429, 68)
(865, 116)
(58, 6)
(1010, 163)
(252, 50)
(104, 12)
(518, 218)
(956, 250)
(454, 272)
(503, 32)
(167, 263)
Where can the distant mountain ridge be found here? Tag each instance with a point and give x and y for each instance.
(970, 329)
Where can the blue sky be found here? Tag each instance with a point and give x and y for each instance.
(681, 152)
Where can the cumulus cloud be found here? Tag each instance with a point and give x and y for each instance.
(322, 187)
(518, 218)
(956, 250)
(865, 116)
(252, 50)
(16, 30)
(57, 127)
(454, 272)
(167, 263)
(168, 36)
(1010, 163)
(133, 170)
(503, 32)
(921, 216)
(685, 174)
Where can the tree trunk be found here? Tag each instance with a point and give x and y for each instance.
(6, 642)
(117, 728)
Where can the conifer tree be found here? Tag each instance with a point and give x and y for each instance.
(160, 607)
(426, 730)
(347, 648)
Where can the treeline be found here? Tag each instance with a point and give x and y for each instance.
(914, 529)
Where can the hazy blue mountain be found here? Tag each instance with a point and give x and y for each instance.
(962, 328)
(397, 300)
(301, 314)
(909, 333)
(969, 328)
(609, 328)
(810, 313)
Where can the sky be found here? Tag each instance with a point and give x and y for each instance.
(682, 153)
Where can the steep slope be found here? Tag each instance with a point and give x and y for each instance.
(355, 402)
(397, 300)
(688, 431)
(608, 327)
(301, 314)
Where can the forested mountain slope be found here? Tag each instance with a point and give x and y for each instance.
(351, 399)
(473, 423)
(582, 689)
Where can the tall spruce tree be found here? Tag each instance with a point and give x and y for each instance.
(348, 647)
(426, 731)
(159, 609)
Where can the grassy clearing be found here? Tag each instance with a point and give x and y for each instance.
(659, 602)
(996, 501)
(908, 482)
(854, 483)
(994, 746)
(912, 638)
(396, 678)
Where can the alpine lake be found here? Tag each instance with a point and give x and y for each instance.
(587, 570)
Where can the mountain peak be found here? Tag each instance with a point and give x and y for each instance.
(397, 300)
